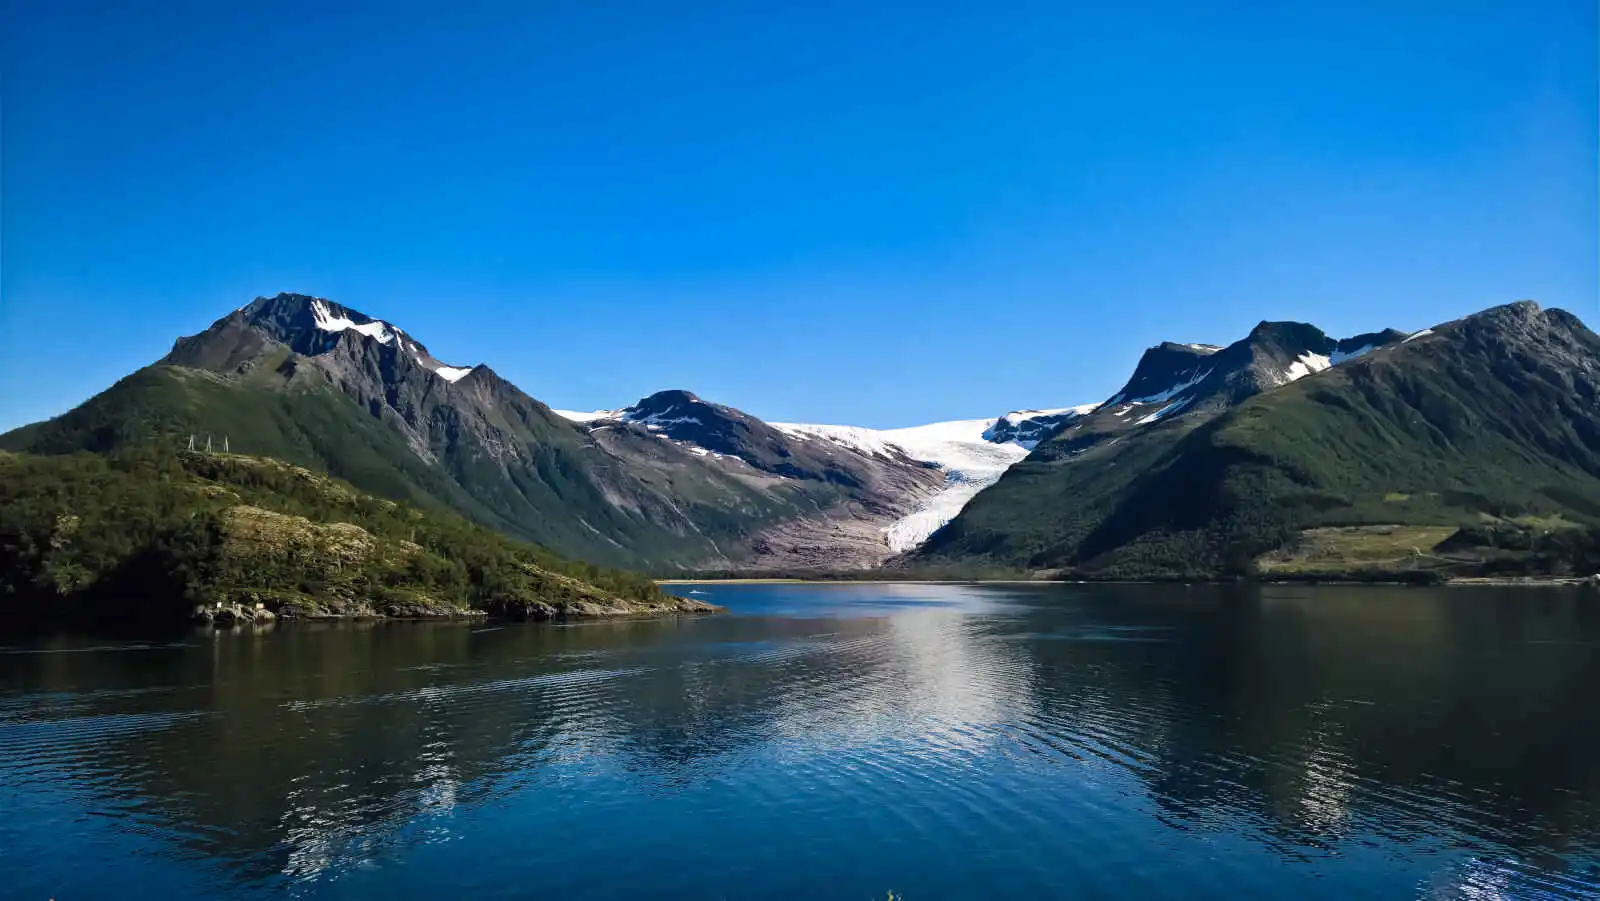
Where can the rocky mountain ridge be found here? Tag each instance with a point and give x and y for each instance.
(324, 385)
(673, 482)
(1386, 453)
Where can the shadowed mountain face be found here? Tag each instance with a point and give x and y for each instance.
(1206, 459)
(307, 326)
(841, 497)
(1209, 459)
(322, 385)
(1198, 380)
(1029, 427)
(682, 417)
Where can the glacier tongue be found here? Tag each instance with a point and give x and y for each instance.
(970, 464)
(961, 448)
(968, 470)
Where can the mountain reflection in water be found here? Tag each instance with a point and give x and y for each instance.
(942, 741)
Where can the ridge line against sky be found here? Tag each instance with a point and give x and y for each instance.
(858, 216)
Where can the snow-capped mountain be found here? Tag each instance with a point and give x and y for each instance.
(1172, 380)
(1222, 461)
(329, 317)
(1180, 381)
(311, 326)
(717, 431)
(969, 454)
(672, 481)
(1026, 428)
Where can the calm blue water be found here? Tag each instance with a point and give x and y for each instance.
(827, 742)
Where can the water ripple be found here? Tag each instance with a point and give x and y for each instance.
(974, 743)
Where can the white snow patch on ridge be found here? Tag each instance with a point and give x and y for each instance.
(1304, 365)
(1340, 356)
(1160, 396)
(868, 441)
(657, 420)
(331, 323)
(1415, 335)
(450, 373)
(577, 416)
(655, 423)
(1016, 417)
(383, 333)
(1164, 411)
(1309, 362)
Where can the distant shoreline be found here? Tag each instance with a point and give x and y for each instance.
(861, 582)
(1465, 582)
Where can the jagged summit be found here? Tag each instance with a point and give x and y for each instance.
(1492, 418)
(674, 480)
(716, 430)
(1192, 348)
(673, 406)
(1026, 428)
(1188, 376)
(307, 325)
(1162, 371)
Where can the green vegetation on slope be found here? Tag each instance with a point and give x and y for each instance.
(152, 534)
(319, 429)
(310, 423)
(1494, 420)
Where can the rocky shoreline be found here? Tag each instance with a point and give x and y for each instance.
(229, 615)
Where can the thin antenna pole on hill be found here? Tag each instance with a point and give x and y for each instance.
(225, 444)
(208, 444)
(191, 444)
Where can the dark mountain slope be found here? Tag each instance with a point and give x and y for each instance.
(308, 421)
(1492, 416)
(840, 497)
(1194, 378)
(320, 385)
(1194, 382)
(314, 427)
(711, 429)
(1027, 428)
(681, 416)
(363, 401)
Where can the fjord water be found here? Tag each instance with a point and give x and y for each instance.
(819, 741)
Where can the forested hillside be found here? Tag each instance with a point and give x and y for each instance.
(153, 535)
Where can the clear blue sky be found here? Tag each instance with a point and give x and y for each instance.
(878, 214)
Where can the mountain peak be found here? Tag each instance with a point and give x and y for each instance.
(1026, 428)
(1176, 347)
(289, 314)
(1519, 311)
(1164, 370)
(1288, 334)
(1553, 332)
(309, 326)
(672, 406)
(1175, 379)
(670, 396)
